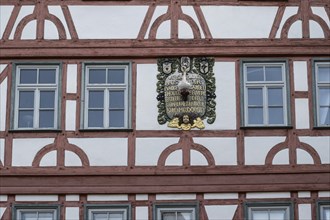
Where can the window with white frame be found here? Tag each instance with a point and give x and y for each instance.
(35, 212)
(322, 93)
(106, 96)
(268, 212)
(36, 97)
(104, 212)
(265, 94)
(324, 210)
(176, 212)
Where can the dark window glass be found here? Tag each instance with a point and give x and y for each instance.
(47, 76)
(26, 99)
(25, 119)
(28, 76)
(97, 76)
(116, 76)
(255, 74)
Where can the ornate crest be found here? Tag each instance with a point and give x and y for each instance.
(186, 92)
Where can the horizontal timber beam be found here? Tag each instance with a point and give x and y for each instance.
(163, 183)
(159, 48)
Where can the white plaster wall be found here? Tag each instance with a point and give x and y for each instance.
(225, 211)
(2, 150)
(257, 148)
(268, 195)
(70, 115)
(2, 66)
(108, 22)
(302, 113)
(324, 194)
(71, 83)
(295, 30)
(146, 102)
(189, 10)
(315, 30)
(25, 10)
(142, 212)
(160, 10)
(175, 196)
(164, 30)
(25, 149)
(51, 32)
(197, 158)
(304, 194)
(30, 31)
(320, 11)
(3, 104)
(37, 198)
(184, 30)
(141, 197)
(72, 198)
(303, 157)
(72, 213)
(221, 196)
(237, 22)
(289, 11)
(5, 12)
(300, 75)
(103, 151)
(3, 198)
(226, 96)
(49, 159)
(117, 197)
(282, 157)
(224, 150)
(321, 145)
(305, 211)
(174, 159)
(148, 150)
(72, 159)
(2, 210)
(57, 11)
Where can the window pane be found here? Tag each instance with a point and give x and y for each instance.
(168, 216)
(255, 74)
(46, 119)
(96, 99)
(116, 216)
(116, 118)
(117, 99)
(326, 213)
(100, 216)
(97, 76)
(277, 215)
(25, 119)
(28, 76)
(47, 76)
(29, 215)
(273, 73)
(46, 216)
(95, 118)
(255, 97)
(275, 97)
(324, 96)
(325, 115)
(116, 76)
(275, 115)
(260, 215)
(184, 215)
(47, 99)
(26, 99)
(324, 74)
(255, 116)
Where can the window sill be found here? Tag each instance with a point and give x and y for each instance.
(106, 130)
(321, 127)
(268, 127)
(35, 130)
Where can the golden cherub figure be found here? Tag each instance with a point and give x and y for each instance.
(186, 125)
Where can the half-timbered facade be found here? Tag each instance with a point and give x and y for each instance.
(83, 131)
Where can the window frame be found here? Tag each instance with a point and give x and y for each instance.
(248, 206)
(36, 87)
(315, 86)
(89, 208)
(257, 84)
(158, 207)
(127, 87)
(18, 208)
(320, 207)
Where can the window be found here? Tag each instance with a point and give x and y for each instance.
(176, 212)
(322, 93)
(324, 210)
(36, 92)
(106, 96)
(36, 212)
(265, 94)
(104, 212)
(268, 211)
